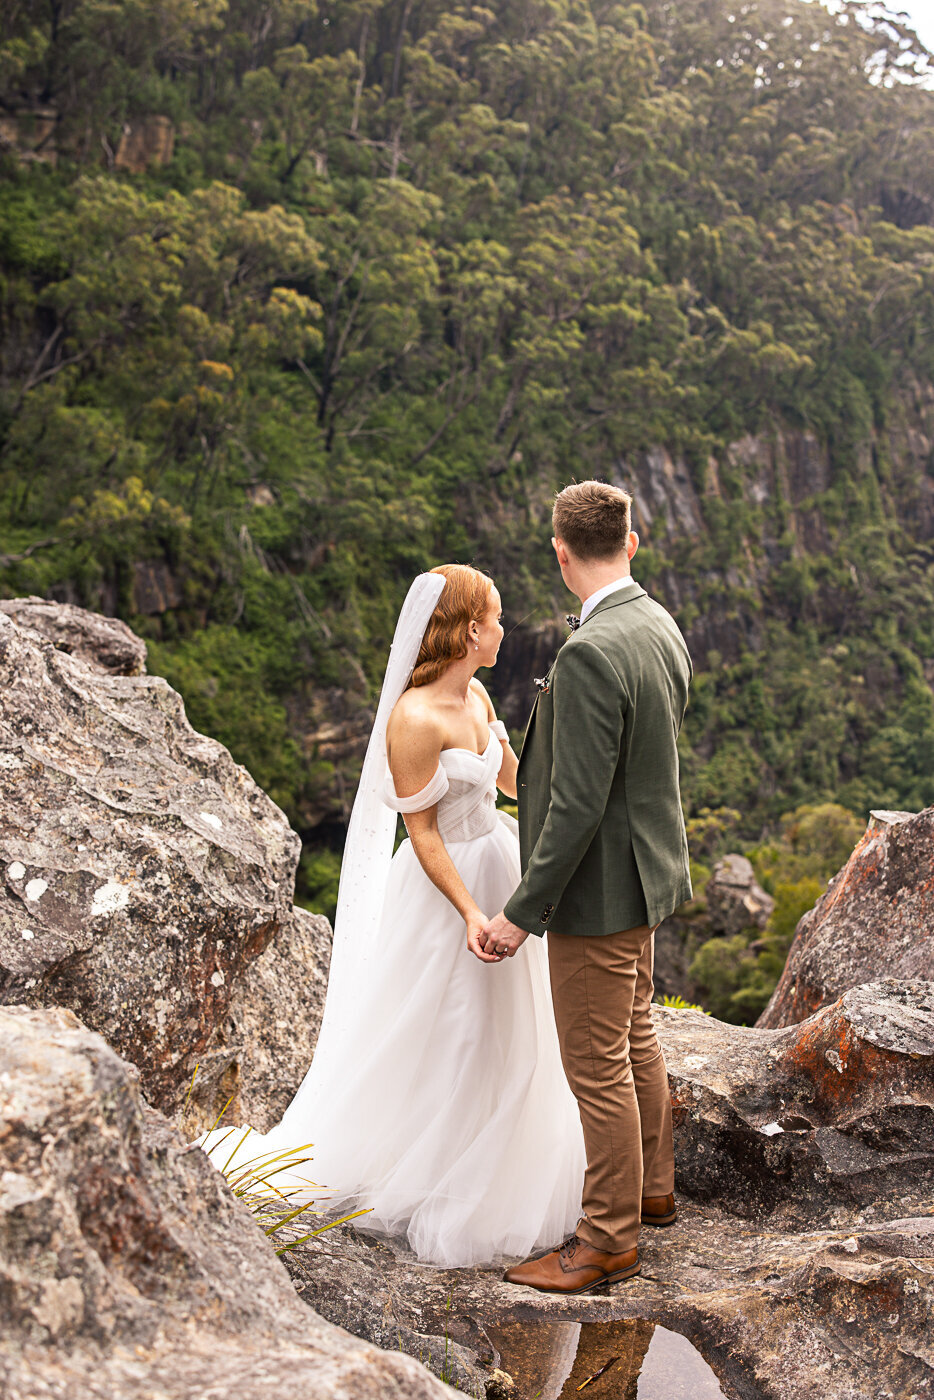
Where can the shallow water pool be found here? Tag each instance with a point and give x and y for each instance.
(631, 1360)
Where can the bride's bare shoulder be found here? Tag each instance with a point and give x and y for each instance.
(481, 694)
(414, 721)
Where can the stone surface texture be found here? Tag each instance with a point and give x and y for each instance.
(144, 142)
(260, 1051)
(128, 1270)
(802, 1262)
(876, 916)
(141, 869)
(103, 643)
(147, 885)
(800, 1123)
(735, 899)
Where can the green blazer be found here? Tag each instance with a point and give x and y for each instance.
(601, 828)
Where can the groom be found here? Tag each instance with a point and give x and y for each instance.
(605, 857)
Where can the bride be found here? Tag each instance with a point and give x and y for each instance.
(436, 1100)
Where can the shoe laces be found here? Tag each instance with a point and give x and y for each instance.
(566, 1250)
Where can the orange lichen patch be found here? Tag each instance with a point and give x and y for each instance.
(841, 1065)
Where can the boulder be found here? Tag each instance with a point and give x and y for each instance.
(801, 1259)
(735, 899)
(103, 643)
(260, 1051)
(876, 915)
(128, 1269)
(142, 869)
(800, 1123)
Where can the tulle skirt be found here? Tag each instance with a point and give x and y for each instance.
(448, 1117)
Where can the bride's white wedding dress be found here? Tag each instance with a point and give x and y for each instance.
(450, 1119)
(436, 1100)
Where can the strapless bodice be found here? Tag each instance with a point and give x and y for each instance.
(463, 786)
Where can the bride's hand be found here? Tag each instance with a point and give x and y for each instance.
(476, 921)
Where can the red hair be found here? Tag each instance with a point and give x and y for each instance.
(464, 598)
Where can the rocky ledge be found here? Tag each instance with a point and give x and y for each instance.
(128, 1270)
(803, 1257)
(147, 885)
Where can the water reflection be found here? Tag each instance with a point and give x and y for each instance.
(632, 1360)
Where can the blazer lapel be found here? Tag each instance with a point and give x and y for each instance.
(616, 600)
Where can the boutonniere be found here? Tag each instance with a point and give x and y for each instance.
(543, 683)
(573, 621)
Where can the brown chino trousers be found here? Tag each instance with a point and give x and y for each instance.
(602, 993)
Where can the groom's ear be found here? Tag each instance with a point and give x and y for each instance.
(560, 549)
(632, 544)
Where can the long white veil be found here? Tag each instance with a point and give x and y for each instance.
(365, 864)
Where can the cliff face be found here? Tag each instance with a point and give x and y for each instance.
(715, 538)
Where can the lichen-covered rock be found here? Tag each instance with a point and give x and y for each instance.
(735, 899)
(128, 1270)
(835, 1112)
(802, 1261)
(103, 643)
(876, 918)
(844, 1313)
(141, 869)
(260, 1052)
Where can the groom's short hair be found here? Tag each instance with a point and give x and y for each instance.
(593, 519)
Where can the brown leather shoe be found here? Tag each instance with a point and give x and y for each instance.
(574, 1267)
(659, 1210)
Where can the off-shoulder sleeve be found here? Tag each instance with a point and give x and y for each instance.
(430, 794)
(499, 729)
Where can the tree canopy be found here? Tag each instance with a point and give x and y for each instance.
(413, 265)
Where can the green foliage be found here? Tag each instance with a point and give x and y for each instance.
(737, 975)
(679, 1004)
(409, 269)
(317, 881)
(723, 968)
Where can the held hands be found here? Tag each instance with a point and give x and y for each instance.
(500, 938)
(476, 922)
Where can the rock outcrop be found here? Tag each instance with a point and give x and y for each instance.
(31, 134)
(261, 1050)
(843, 1313)
(142, 869)
(876, 916)
(128, 1270)
(801, 1123)
(144, 142)
(104, 643)
(735, 899)
(802, 1261)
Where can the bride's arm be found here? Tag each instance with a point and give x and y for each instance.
(506, 777)
(414, 754)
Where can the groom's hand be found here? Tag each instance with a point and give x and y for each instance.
(501, 937)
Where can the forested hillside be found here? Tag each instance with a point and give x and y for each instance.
(299, 298)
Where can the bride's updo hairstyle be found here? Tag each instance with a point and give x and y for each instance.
(466, 596)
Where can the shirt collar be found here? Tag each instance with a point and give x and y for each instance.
(604, 592)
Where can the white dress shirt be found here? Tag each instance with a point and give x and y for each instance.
(601, 593)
